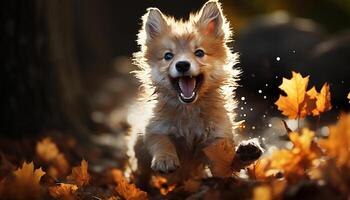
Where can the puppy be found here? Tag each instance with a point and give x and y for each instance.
(188, 82)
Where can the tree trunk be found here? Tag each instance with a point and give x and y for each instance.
(40, 76)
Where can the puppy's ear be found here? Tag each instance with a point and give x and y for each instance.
(154, 23)
(211, 19)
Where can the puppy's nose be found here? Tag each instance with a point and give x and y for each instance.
(182, 66)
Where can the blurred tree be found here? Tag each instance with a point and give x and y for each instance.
(40, 77)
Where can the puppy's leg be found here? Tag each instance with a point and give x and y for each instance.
(163, 152)
(143, 172)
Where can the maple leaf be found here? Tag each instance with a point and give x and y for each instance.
(323, 102)
(47, 150)
(162, 184)
(221, 155)
(125, 189)
(294, 105)
(262, 193)
(64, 191)
(191, 185)
(293, 163)
(337, 145)
(80, 174)
(26, 182)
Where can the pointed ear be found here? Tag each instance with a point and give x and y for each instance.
(154, 23)
(211, 19)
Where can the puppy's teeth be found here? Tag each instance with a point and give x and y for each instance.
(183, 96)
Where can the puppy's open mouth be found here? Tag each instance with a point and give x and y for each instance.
(187, 87)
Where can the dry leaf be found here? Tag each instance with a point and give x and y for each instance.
(294, 105)
(80, 175)
(337, 145)
(47, 150)
(191, 185)
(221, 155)
(114, 198)
(64, 191)
(27, 182)
(323, 102)
(162, 184)
(61, 163)
(262, 193)
(292, 163)
(125, 189)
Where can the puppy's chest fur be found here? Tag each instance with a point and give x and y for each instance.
(191, 127)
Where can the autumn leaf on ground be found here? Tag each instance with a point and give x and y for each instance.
(64, 191)
(221, 155)
(80, 174)
(293, 163)
(271, 190)
(48, 152)
(191, 185)
(125, 189)
(337, 145)
(297, 103)
(162, 184)
(27, 182)
(262, 193)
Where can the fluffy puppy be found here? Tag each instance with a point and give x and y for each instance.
(188, 83)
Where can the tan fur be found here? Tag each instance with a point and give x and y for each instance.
(176, 133)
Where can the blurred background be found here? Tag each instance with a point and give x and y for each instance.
(65, 65)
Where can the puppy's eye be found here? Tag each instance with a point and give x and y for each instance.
(168, 56)
(199, 53)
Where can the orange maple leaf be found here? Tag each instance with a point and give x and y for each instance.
(48, 152)
(162, 184)
(323, 102)
(80, 174)
(125, 189)
(64, 191)
(294, 105)
(27, 182)
(293, 163)
(337, 145)
(221, 155)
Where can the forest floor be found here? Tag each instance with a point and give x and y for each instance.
(299, 163)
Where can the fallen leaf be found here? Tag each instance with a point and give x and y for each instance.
(61, 163)
(162, 184)
(47, 150)
(125, 189)
(221, 155)
(337, 145)
(262, 193)
(293, 105)
(64, 191)
(27, 182)
(291, 163)
(80, 174)
(191, 185)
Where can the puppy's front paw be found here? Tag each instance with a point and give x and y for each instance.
(165, 163)
(248, 151)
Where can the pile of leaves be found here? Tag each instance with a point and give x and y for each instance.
(311, 168)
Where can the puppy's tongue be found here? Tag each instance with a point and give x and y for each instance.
(187, 86)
